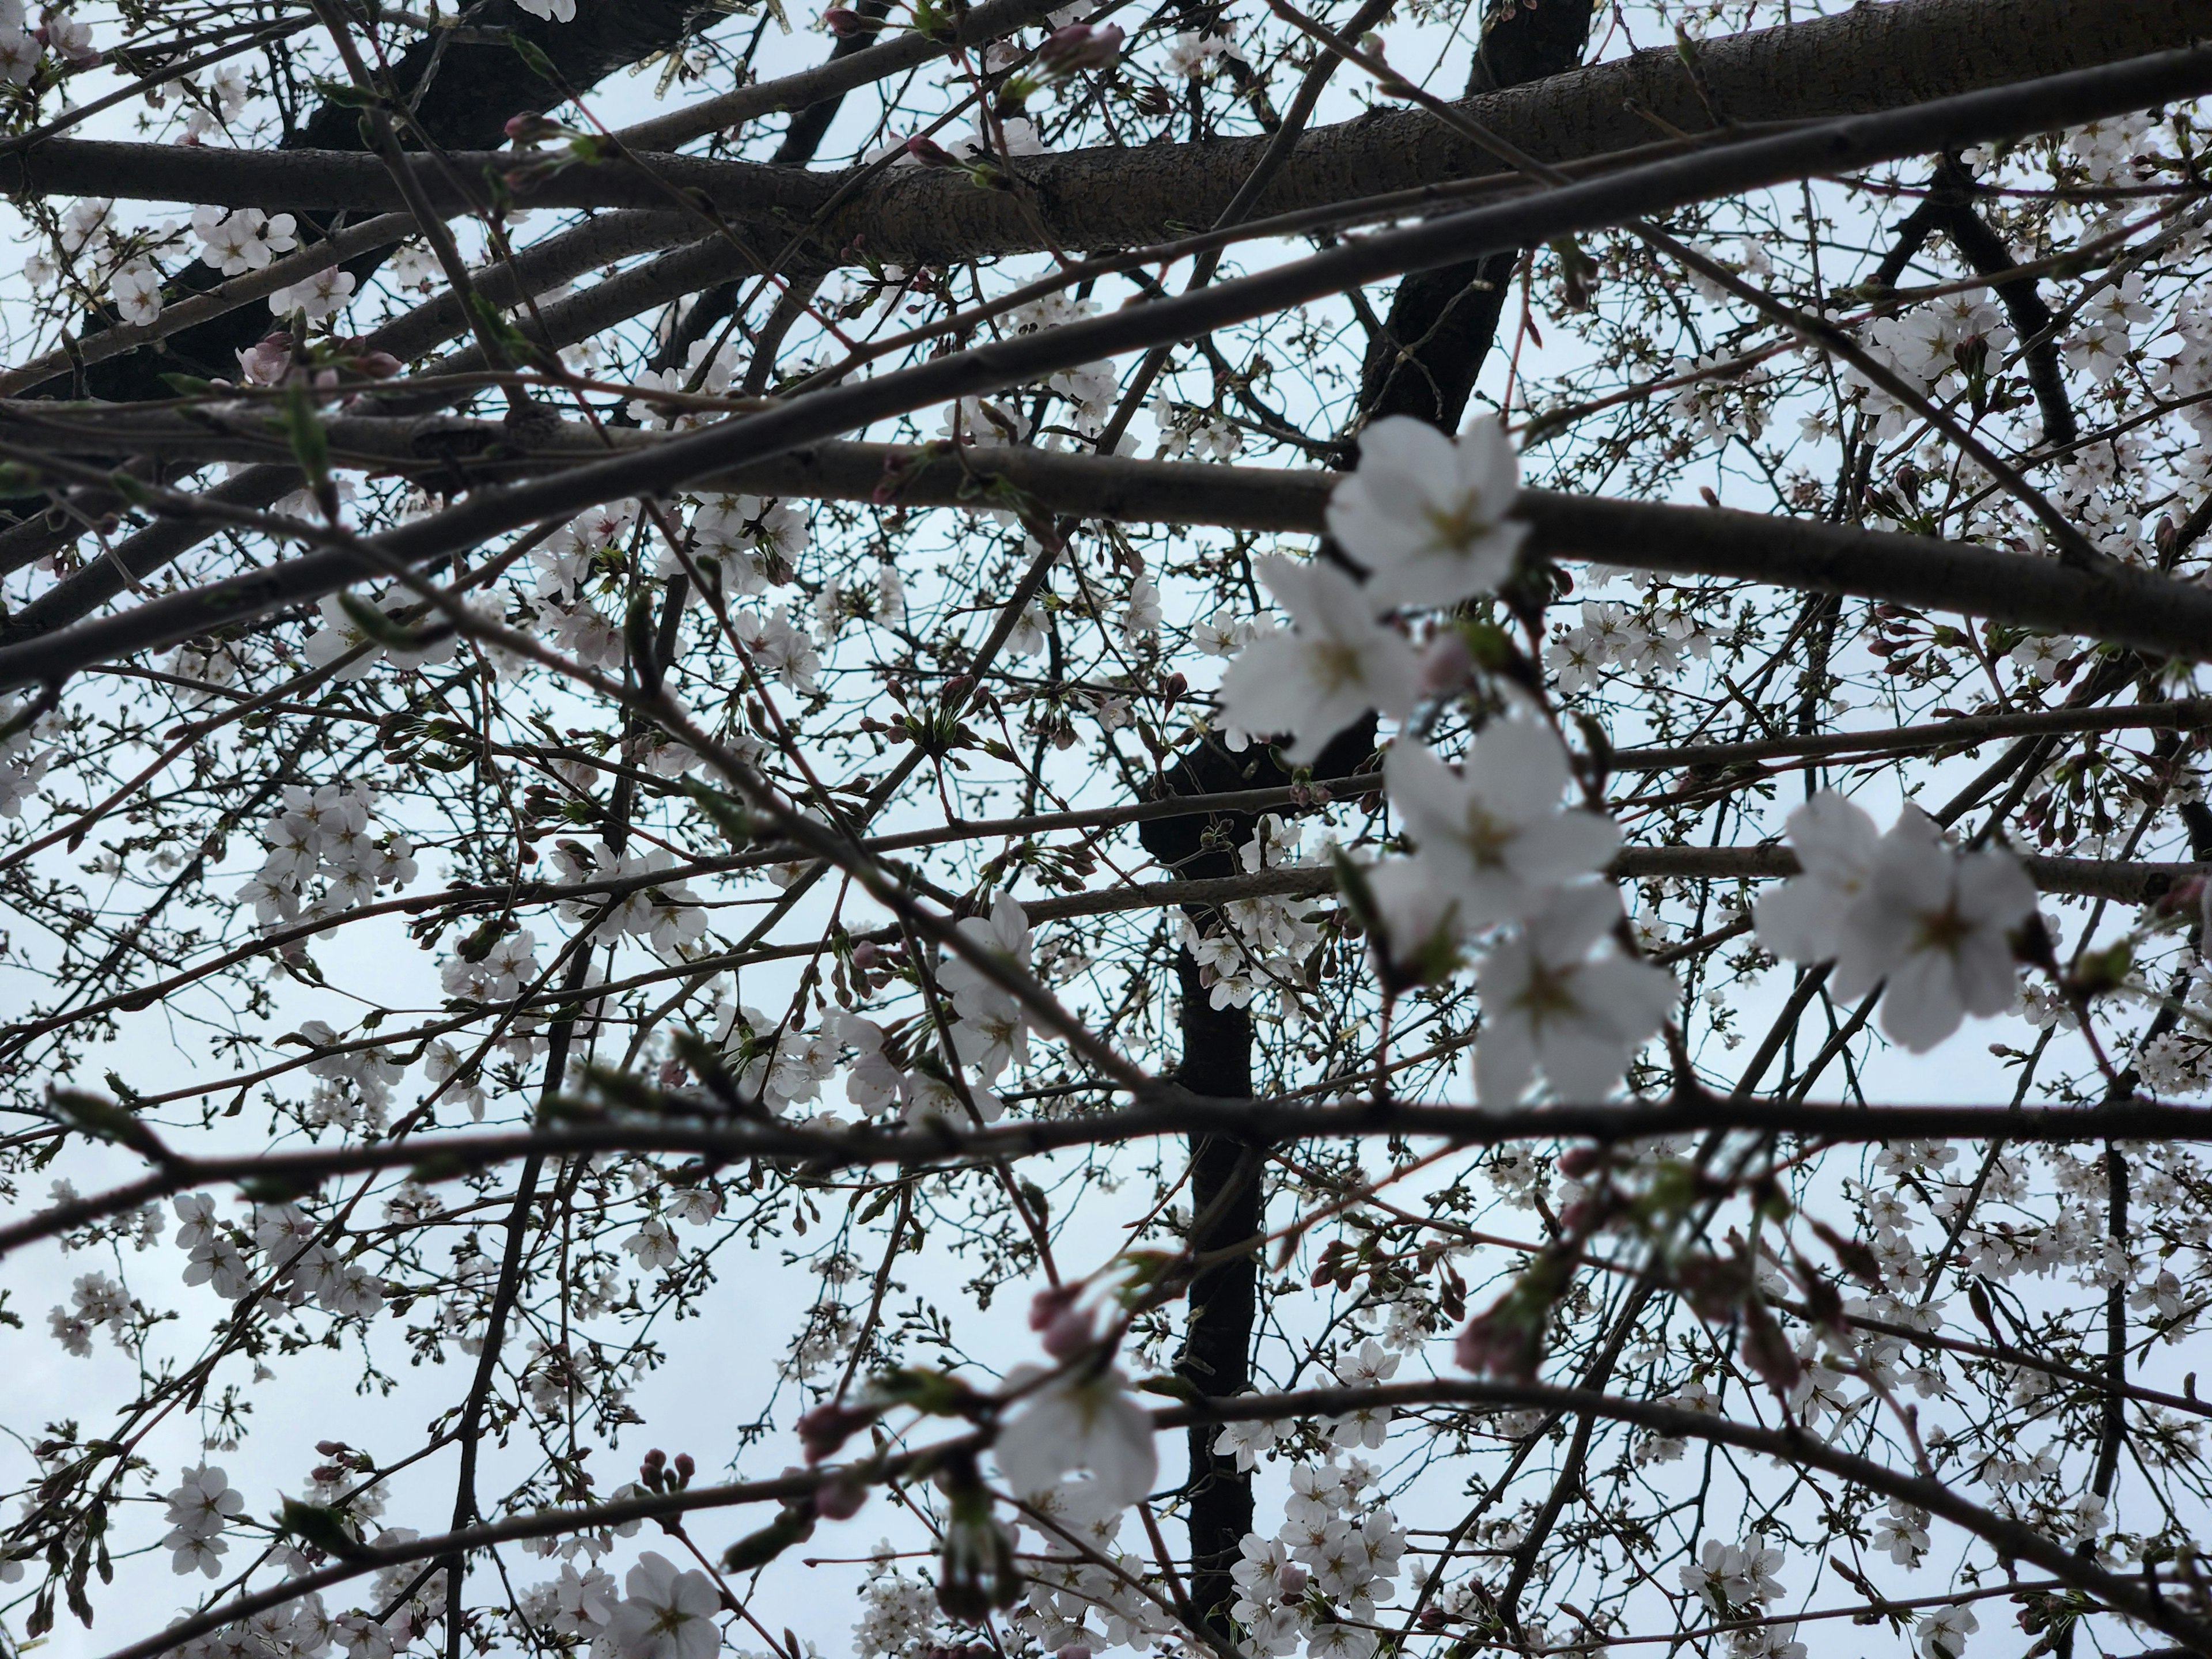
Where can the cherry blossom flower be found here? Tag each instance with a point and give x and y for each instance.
(1545, 1003)
(654, 1246)
(1935, 922)
(1245, 1442)
(1327, 669)
(1085, 1419)
(1427, 515)
(1495, 836)
(136, 291)
(667, 1613)
(321, 295)
(1835, 842)
(247, 240)
(554, 11)
(992, 1028)
(1943, 1631)
(1908, 908)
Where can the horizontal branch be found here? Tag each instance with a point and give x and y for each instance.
(2124, 607)
(2135, 1598)
(2122, 881)
(1787, 1445)
(1865, 59)
(2120, 604)
(962, 29)
(1166, 1111)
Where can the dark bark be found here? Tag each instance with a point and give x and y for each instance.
(462, 95)
(1442, 322)
(1226, 1205)
(801, 140)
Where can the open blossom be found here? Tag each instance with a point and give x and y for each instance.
(1495, 835)
(320, 295)
(136, 291)
(992, 1030)
(666, 1614)
(1546, 1003)
(1085, 1419)
(247, 240)
(1943, 1631)
(1427, 515)
(1907, 907)
(1329, 667)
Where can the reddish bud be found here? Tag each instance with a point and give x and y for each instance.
(827, 1427)
(844, 22)
(840, 1498)
(530, 128)
(1445, 664)
(930, 153)
(1579, 1161)
(1049, 1304)
(1080, 47)
(1070, 1334)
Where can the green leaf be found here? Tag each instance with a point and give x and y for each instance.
(730, 816)
(345, 94)
(303, 428)
(375, 625)
(312, 1524)
(534, 55)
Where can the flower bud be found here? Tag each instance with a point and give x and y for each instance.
(1445, 664)
(265, 362)
(1080, 47)
(1069, 1333)
(930, 153)
(530, 128)
(1048, 1305)
(1290, 1580)
(840, 1498)
(843, 21)
(1073, 1650)
(827, 1427)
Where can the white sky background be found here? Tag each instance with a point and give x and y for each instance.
(722, 1363)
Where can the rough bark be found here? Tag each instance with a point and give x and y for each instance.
(1868, 59)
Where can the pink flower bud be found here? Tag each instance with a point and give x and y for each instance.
(377, 365)
(1069, 1333)
(844, 22)
(1073, 1650)
(530, 127)
(1445, 664)
(840, 1498)
(1049, 1304)
(827, 1427)
(1080, 47)
(930, 153)
(264, 362)
(1290, 1580)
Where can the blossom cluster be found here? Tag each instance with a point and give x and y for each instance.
(278, 1250)
(321, 835)
(1496, 856)
(1906, 908)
